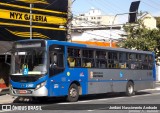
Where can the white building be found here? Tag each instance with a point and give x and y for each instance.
(93, 34)
(93, 18)
(149, 21)
(94, 26)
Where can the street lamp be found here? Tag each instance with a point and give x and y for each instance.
(132, 15)
(30, 20)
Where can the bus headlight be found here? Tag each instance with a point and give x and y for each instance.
(40, 85)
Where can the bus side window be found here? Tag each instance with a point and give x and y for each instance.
(87, 58)
(145, 62)
(113, 60)
(132, 61)
(74, 57)
(150, 61)
(56, 59)
(101, 59)
(53, 60)
(122, 60)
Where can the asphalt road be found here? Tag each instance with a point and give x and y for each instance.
(93, 103)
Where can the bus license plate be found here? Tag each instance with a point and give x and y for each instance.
(22, 91)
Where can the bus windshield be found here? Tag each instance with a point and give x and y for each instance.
(35, 61)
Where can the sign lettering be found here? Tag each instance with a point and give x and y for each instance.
(39, 18)
(23, 16)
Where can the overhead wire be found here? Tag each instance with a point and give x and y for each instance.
(109, 7)
(52, 4)
(97, 25)
(155, 2)
(148, 4)
(104, 25)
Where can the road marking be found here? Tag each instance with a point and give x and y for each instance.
(5, 111)
(155, 89)
(120, 98)
(110, 99)
(90, 110)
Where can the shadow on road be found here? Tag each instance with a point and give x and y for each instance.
(55, 100)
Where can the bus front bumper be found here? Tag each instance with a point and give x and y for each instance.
(29, 92)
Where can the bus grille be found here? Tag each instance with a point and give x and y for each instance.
(21, 78)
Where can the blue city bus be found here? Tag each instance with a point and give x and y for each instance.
(49, 68)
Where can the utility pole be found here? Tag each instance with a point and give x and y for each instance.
(69, 20)
(30, 20)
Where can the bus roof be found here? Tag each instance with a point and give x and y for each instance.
(100, 47)
(89, 46)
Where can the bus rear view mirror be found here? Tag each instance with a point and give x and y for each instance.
(55, 58)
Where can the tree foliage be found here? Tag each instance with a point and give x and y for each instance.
(158, 21)
(141, 38)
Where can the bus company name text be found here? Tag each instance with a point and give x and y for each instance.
(23, 16)
(20, 108)
(97, 74)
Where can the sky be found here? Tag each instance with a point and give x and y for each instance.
(113, 7)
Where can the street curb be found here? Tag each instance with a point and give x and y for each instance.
(4, 91)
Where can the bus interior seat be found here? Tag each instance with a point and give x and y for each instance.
(122, 65)
(71, 62)
(88, 64)
(110, 65)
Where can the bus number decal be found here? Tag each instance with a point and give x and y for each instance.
(81, 74)
(29, 85)
(121, 74)
(56, 85)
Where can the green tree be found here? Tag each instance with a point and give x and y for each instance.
(141, 38)
(158, 21)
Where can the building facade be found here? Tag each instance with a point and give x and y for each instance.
(93, 18)
(149, 21)
(95, 28)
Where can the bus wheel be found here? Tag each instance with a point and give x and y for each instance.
(130, 89)
(73, 93)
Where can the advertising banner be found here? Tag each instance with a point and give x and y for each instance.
(49, 19)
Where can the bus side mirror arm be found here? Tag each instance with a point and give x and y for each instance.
(52, 66)
(6, 59)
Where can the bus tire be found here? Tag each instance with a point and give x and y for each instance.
(130, 89)
(73, 93)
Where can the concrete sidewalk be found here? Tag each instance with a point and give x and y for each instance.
(4, 99)
(4, 91)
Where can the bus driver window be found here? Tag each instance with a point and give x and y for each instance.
(53, 60)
